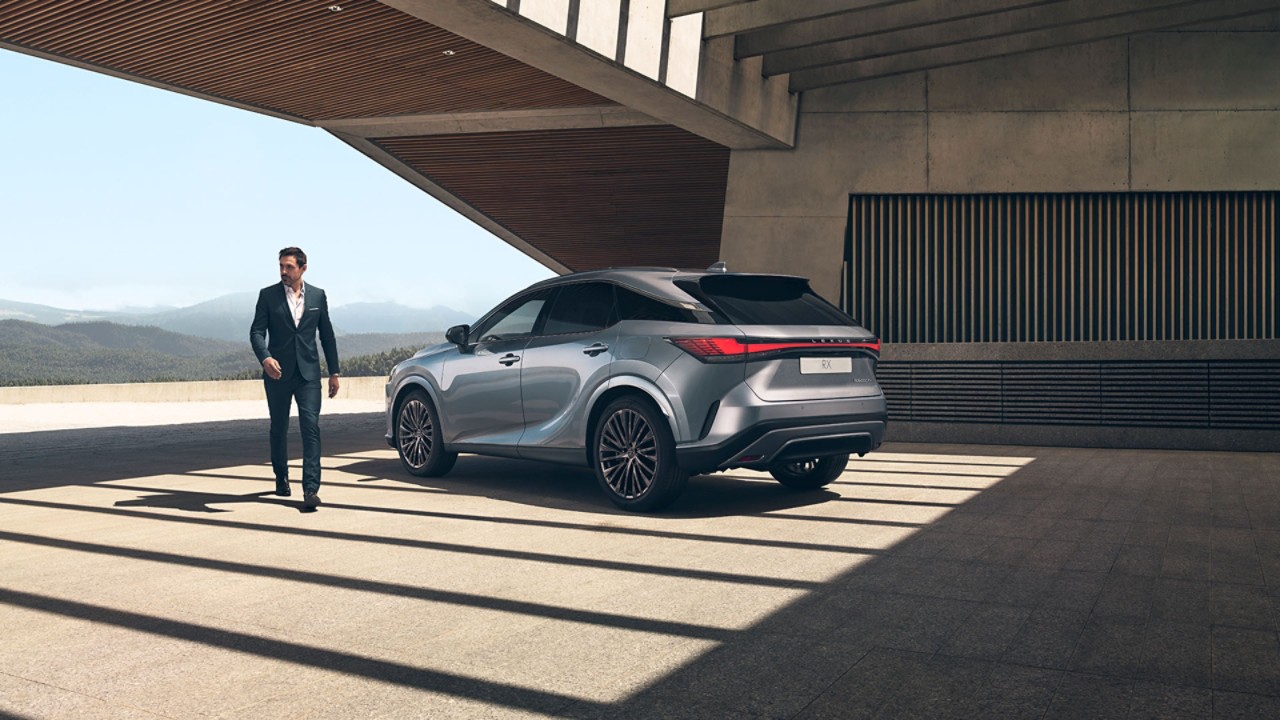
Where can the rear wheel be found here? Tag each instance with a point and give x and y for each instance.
(634, 455)
(418, 437)
(809, 474)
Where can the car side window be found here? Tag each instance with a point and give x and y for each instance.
(580, 307)
(517, 318)
(634, 306)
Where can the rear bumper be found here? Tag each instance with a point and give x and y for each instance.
(770, 442)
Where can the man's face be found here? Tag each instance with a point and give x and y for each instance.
(290, 272)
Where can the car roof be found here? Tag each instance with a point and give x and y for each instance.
(655, 281)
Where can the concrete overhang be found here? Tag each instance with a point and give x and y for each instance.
(731, 103)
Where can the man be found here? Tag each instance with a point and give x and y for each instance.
(283, 335)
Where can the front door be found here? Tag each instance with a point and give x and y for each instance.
(480, 387)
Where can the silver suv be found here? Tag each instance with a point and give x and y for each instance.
(647, 375)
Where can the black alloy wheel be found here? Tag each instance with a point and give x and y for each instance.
(809, 474)
(634, 456)
(418, 437)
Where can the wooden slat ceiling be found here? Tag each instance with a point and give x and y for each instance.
(588, 198)
(293, 57)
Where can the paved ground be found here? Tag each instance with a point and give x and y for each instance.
(145, 572)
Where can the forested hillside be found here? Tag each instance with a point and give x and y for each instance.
(103, 352)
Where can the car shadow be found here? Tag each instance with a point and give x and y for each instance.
(529, 482)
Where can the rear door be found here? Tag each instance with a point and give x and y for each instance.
(799, 346)
(564, 364)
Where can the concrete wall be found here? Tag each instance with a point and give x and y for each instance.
(1189, 110)
(355, 388)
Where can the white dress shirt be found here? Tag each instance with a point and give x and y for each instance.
(297, 301)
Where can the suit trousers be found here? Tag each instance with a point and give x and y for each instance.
(280, 396)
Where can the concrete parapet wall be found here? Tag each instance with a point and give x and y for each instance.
(359, 388)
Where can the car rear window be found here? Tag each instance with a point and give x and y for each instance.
(634, 306)
(764, 300)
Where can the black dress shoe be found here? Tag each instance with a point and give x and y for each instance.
(311, 500)
(282, 488)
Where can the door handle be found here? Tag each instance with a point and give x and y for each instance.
(509, 359)
(594, 350)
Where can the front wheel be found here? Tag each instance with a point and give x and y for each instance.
(634, 455)
(418, 437)
(809, 474)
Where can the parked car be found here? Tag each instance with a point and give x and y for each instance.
(647, 375)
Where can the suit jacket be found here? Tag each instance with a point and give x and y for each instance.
(274, 335)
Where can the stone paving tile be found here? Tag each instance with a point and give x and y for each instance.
(1011, 692)
(1244, 606)
(759, 675)
(1093, 557)
(1024, 586)
(1109, 647)
(1090, 697)
(1159, 701)
(1241, 706)
(1177, 654)
(1075, 590)
(874, 681)
(987, 633)
(1185, 601)
(1148, 534)
(1144, 560)
(1125, 597)
(1048, 638)
(977, 582)
(1246, 661)
(938, 689)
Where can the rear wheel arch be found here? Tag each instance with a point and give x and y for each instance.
(607, 397)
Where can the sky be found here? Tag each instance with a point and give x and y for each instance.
(118, 195)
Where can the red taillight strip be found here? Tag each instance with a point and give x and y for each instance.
(724, 347)
(770, 347)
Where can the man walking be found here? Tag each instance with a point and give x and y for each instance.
(285, 324)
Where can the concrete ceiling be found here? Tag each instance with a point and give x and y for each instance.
(820, 43)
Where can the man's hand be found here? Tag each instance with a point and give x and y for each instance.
(333, 385)
(272, 368)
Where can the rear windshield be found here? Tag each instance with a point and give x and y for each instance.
(764, 300)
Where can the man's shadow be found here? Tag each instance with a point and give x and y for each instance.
(202, 501)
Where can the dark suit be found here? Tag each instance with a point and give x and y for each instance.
(274, 335)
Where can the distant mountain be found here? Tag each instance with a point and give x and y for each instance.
(45, 315)
(222, 318)
(228, 317)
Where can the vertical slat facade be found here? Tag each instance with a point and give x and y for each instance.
(1064, 267)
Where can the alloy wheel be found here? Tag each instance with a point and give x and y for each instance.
(628, 454)
(415, 433)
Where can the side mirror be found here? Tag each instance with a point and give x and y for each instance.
(457, 334)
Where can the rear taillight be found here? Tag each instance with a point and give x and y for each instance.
(726, 349)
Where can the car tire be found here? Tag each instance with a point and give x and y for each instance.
(419, 441)
(634, 456)
(809, 474)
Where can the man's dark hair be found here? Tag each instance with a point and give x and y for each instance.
(298, 256)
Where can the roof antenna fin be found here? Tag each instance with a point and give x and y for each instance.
(718, 267)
